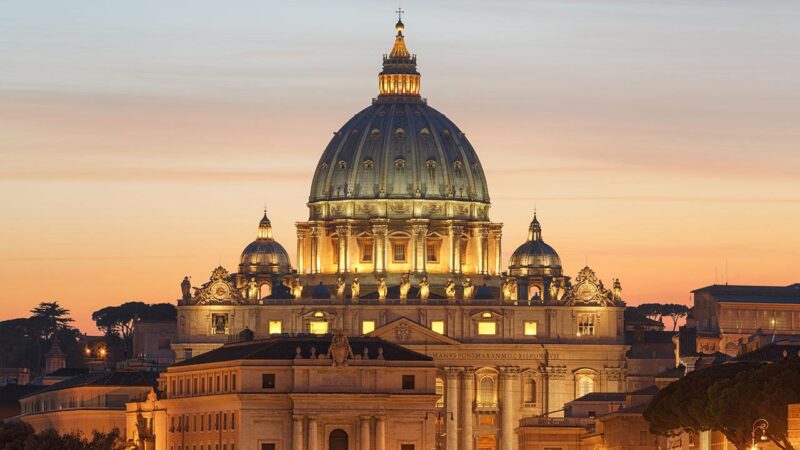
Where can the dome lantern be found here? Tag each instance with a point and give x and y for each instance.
(399, 76)
(265, 227)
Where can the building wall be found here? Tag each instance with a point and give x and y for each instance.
(85, 420)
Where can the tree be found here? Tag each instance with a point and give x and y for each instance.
(729, 398)
(654, 311)
(52, 318)
(119, 320)
(14, 434)
(20, 436)
(676, 312)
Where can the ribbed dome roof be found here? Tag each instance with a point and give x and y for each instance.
(399, 150)
(534, 253)
(265, 253)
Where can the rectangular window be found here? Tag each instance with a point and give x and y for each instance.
(642, 437)
(433, 252)
(406, 446)
(275, 327)
(218, 385)
(268, 381)
(318, 327)
(399, 252)
(586, 325)
(203, 385)
(267, 446)
(224, 421)
(409, 381)
(530, 328)
(233, 423)
(367, 326)
(233, 382)
(487, 328)
(366, 252)
(335, 251)
(437, 326)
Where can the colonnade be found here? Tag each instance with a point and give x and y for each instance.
(460, 430)
(305, 433)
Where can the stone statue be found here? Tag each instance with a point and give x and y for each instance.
(355, 289)
(617, 290)
(405, 286)
(510, 288)
(297, 289)
(339, 350)
(450, 289)
(186, 289)
(424, 289)
(469, 289)
(382, 289)
(340, 286)
(553, 290)
(252, 289)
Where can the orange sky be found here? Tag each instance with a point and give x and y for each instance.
(139, 143)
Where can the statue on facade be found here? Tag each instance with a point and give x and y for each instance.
(340, 287)
(617, 290)
(469, 289)
(405, 286)
(339, 351)
(424, 289)
(450, 289)
(355, 289)
(252, 289)
(382, 289)
(186, 289)
(297, 289)
(553, 290)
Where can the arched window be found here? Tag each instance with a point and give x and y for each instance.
(585, 385)
(440, 392)
(529, 390)
(486, 392)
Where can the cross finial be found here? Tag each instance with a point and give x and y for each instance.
(400, 14)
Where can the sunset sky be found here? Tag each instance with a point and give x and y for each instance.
(140, 140)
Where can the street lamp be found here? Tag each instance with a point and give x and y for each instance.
(760, 426)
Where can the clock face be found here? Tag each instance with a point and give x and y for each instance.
(220, 291)
(586, 292)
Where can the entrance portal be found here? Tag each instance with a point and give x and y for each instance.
(487, 442)
(337, 440)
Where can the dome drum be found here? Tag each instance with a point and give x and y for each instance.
(399, 209)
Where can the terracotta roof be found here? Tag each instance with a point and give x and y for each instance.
(285, 348)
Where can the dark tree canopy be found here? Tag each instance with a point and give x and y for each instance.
(118, 321)
(657, 311)
(728, 398)
(20, 436)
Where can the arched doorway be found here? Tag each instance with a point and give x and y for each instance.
(337, 440)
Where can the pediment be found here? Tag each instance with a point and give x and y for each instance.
(407, 332)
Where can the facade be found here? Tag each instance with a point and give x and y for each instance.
(152, 343)
(724, 316)
(399, 246)
(300, 393)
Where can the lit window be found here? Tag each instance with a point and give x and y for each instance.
(367, 326)
(275, 327)
(486, 392)
(487, 328)
(437, 326)
(439, 392)
(585, 385)
(366, 252)
(530, 328)
(586, 325)
(433, 252)
(399, 252)
(486, 315)
(318, 327)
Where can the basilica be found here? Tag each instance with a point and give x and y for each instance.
(399, 255)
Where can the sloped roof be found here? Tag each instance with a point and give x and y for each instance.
(114, 378)
(602, 397)
(776, 351)
(285, 348)
(753, 294)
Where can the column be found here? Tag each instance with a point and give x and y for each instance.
(420, 238)
(468, 380)
(365, 432)
(316, 258)
(555, 376)
(380, 432)
(482, 236)
(297, 433)
(451, 407)
(343, 231)
(379, 233)
(301, 247)
(497, 235)
(509, 377)
(455, 248)
(312, 433)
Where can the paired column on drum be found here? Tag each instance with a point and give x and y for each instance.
(379, 233)
(455, 232)
(301, 248)
(343, 233)
(497, 236)
(482, 238)
(316, 257)
(509, 406)
(419, 242)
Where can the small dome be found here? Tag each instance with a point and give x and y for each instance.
(534, 255)
(265, 254)
(484, 293)
(321, 292)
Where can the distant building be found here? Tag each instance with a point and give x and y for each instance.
(306, 392)
(152, 344)
(14, 375)
(725, 316)
(87, 402)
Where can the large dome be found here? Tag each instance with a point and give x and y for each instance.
(402, 156)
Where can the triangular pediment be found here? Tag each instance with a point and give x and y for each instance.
(407, 332)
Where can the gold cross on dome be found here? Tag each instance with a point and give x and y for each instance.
(400, 14)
